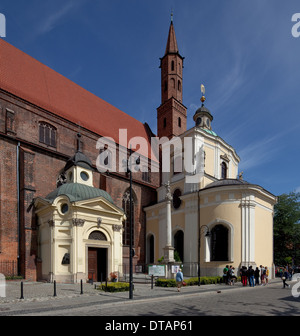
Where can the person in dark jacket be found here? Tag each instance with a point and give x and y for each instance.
(244, 275)
(256, 276)
(251, 276)
(284, 277)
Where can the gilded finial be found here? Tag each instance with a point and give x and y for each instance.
(203, 93)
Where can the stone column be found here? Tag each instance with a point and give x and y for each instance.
(168, 250)
(248, 230)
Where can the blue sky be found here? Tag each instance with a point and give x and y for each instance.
(242, 51)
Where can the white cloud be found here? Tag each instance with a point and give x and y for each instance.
(54, 19)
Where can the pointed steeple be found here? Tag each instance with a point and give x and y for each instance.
(172, 42)
(171, 114)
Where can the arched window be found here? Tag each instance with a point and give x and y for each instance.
(173, 83)
(165, 122)
(105, 158)
(97, 235)
(126, 223)
(172, 65)
(179, 243)
(179, 122)
(179, 85)
(47, 134)
(219, 243)
(223, 170)
(176, 199)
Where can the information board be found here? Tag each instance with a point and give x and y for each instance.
(156, 270)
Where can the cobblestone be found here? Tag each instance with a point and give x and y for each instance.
(208, 300)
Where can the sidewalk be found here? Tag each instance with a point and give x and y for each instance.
(42, 292)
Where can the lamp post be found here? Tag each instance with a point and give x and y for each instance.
(202, 229)
(129, 170)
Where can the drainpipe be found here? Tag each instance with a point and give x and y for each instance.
(18, 206)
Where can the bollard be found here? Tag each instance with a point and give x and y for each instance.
(54, 294)
(101, 278)
(106, 285)
(22, 294)
(152, 281)
(81, 287)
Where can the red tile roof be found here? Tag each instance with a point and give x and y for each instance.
(27, 78)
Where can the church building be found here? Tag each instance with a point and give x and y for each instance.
(216, 218)
(63, 219)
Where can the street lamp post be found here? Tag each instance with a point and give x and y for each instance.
(202, 229)
(129, 170)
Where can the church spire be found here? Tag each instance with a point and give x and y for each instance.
(172, 42)
(171, 114)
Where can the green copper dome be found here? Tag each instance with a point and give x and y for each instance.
(78, 192)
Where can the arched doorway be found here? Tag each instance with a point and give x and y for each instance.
(97, 258)
(179, 244)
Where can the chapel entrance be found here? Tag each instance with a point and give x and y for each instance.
(97, 263)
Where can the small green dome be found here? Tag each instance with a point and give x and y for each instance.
(78, 192)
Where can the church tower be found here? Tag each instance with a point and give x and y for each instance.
(171, 114)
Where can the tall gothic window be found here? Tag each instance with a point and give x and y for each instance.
(219, 243)
(126, 223)
(223, 170)
(179, 243)
(151, 249)
(47, 134)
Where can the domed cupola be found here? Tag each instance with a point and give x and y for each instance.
(202, 116)
(78, 168)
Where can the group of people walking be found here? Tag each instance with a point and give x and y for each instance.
(249, 276)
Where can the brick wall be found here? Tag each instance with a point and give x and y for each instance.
(39, 167)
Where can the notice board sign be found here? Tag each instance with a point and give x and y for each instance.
(156, 270)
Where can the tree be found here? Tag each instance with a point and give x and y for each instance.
(287, 229)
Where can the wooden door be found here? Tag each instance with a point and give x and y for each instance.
(92, 263)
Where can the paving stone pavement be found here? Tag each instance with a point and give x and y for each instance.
(206, 300)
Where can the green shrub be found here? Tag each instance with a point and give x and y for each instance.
(189, 282)
(165, 282)
(114, 287)
(14, 277)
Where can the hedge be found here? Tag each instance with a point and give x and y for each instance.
(190, 282)
(114, 287)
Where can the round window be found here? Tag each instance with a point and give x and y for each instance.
(176, 199)
(64, 208)
(84, 176)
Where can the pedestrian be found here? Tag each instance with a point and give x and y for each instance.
(267, 275)
(251, 276)
(256, 276)
(225, 274)
(244, 275)
(179, 279)
(233, 276)
(262, 275)
(229, 275)
(284, 278)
